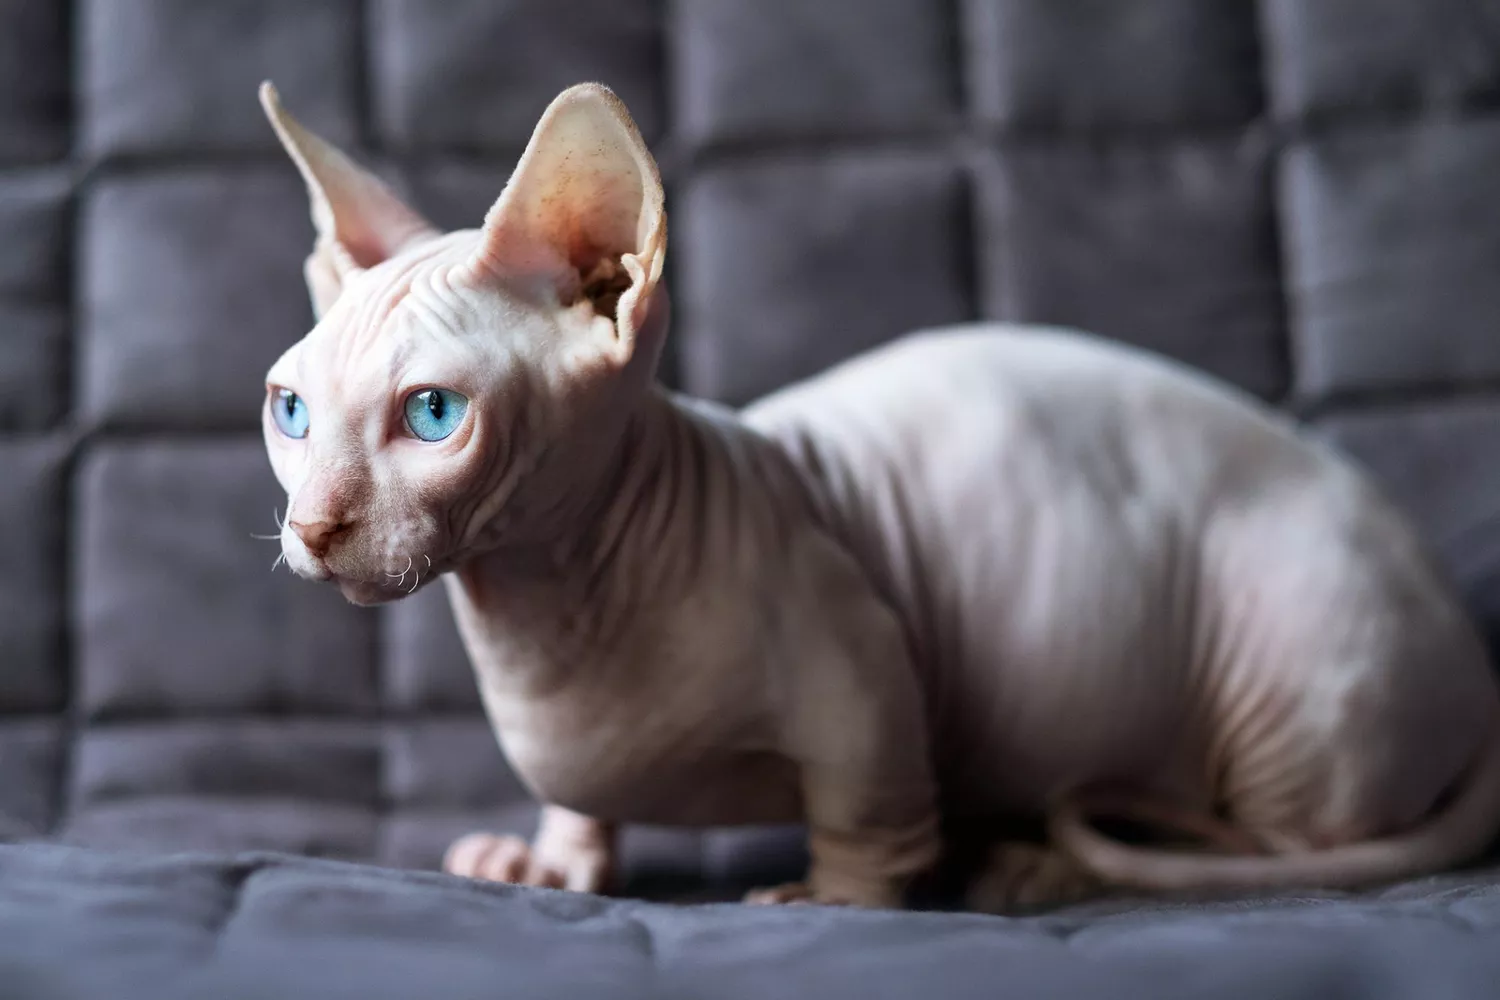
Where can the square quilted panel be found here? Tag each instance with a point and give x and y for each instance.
(478, 73)
(34, 87)
(228, 784)
(1048, 66)
(157, 823)
(180, 75)
(754, 68)
(886, 237)
(1171, 247)
(1335, 56)
(456, 194)
(1393, 238)
(35, 218)
(32, 756)
(33, 672)
(191, 287)
(1434, 462)
(178, 608)
(425, 668)
(319, 760)
(447, 763)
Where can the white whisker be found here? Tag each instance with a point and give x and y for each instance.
(429, 560)
(280, 526)
(279, 560)
(401, 575)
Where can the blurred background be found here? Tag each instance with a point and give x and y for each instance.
(1299, 196)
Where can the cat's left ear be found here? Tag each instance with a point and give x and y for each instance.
(359, 220)
(585, 210)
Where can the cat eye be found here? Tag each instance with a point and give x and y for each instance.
(433, 414)
(289, 412)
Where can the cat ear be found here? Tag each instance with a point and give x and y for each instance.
(359, 220)
(584, 207)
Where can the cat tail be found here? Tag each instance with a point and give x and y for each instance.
(1461, 831)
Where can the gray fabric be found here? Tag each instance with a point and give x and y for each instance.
(856, 216)
(1298, 197)
(784, 69)
(113, 927)
(1392, 232)
(1175, 245)
(475, 75)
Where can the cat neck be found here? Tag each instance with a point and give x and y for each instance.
(676, 538)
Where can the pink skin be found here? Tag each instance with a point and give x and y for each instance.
(482, 312)
(360, 465)
(502, 316)
(1007, 573)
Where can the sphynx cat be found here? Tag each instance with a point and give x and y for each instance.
(978, 575)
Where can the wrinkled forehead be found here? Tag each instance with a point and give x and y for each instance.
(343, 362)
(369, 331)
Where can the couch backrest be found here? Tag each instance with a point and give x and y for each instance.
(1303, 198)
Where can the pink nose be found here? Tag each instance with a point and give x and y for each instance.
(319, 536)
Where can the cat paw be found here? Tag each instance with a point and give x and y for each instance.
(802, 893)
(781, 895)
(502, 858)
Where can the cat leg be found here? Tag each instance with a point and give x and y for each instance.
(869, 863)
(570, 851)
(852, 718)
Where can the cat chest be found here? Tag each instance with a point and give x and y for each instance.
(623, 760)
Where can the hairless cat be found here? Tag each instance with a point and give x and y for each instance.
(978, 576)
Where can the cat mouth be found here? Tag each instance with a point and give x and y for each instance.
(363, 590)
(364, 593)
(369, 593)
(306, 566)
(389, 587)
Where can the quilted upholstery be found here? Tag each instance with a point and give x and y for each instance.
(1299, 197)
(189, 927)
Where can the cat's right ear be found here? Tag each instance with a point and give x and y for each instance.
(359, 220)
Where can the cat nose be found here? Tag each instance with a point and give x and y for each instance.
(319, 536)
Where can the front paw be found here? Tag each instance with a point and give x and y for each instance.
(499, 858)
(787, 893)
(870, 895)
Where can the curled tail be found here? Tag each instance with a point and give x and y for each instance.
(1459, 833)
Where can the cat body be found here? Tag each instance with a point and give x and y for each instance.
(981, 574)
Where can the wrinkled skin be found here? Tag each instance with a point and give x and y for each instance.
(979, 575)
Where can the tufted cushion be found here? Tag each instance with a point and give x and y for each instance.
(1297, 197)
(252, 925)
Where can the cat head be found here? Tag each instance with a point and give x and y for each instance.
(462, 390)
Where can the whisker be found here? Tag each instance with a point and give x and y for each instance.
(402, 574)
(280, 526)
(279, 560)
(429, 560)
(416, 581)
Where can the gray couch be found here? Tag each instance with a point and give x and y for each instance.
(1300, 196)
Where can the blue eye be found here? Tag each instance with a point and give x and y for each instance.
(433, 414)
(289, 412)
